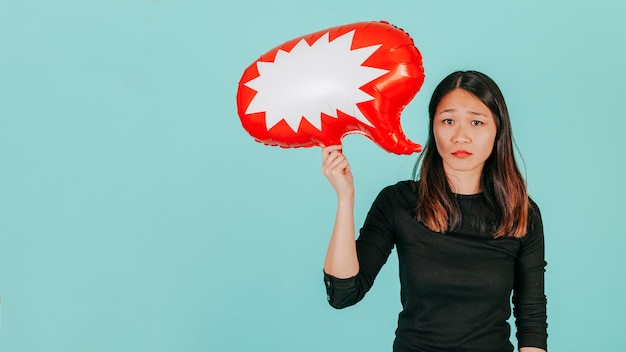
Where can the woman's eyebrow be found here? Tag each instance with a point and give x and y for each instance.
(472, 112)
(448, 110)
(477, 113)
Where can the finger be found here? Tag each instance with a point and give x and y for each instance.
(330, 157)
(333, 157)
(333, 147)
(339, 166)
(330, 149)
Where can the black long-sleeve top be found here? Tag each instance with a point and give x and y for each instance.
(455, 287)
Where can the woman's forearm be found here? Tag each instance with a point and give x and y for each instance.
(341, 258)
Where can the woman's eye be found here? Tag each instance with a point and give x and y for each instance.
(448, 121)
(476, 123)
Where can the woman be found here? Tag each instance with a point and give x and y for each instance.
(466, 233)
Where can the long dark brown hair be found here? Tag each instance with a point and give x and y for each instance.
(503, 187)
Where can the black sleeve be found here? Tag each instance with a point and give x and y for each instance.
(529, 297)
(373, 246)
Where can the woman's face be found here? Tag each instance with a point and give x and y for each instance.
(465, 132)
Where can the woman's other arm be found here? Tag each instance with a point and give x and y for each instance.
(341, 256)
(529, 297)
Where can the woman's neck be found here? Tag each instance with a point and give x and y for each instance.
(464, 182)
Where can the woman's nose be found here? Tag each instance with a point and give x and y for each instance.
(460, 136)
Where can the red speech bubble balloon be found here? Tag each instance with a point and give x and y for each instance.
(316, 89)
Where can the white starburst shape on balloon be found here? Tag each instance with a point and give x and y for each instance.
(324, 77)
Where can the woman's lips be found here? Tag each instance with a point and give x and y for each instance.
(461, 153)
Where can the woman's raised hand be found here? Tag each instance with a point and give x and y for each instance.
(336, 168)
(341, 258)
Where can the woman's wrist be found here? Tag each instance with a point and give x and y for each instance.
(346, 198)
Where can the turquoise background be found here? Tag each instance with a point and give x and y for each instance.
(136, 214)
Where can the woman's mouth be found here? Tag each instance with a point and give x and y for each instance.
(461, 154)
